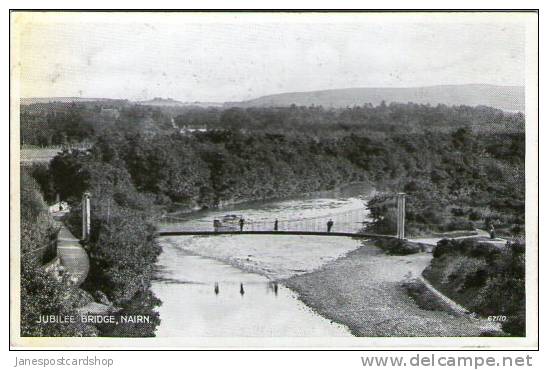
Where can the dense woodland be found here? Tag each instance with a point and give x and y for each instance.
(461, 167)
(63, 124)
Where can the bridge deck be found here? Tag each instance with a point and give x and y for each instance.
(296, 232)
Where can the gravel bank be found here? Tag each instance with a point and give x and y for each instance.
(363, 290)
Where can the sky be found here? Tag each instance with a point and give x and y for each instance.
(233, 57)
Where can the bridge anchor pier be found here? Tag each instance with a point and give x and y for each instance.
(400, 215)
(86, 216)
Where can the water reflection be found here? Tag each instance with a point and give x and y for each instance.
(190, 310)
(272, 287)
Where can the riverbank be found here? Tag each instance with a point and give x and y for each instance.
(347, 189)
(363, 290)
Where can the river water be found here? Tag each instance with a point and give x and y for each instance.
(226, 285)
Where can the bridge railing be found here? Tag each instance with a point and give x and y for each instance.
(345, 222)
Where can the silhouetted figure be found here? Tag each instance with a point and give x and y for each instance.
(491, 231)
(275, 288)
(216, 288)
(242, 289)
(329, 225)
(276, 225)
(242, 222)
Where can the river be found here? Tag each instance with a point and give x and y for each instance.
(226, 285)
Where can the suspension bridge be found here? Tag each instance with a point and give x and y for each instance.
(350, 223)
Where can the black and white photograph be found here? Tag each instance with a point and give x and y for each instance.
(274, 179)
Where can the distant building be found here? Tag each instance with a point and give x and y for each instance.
(110, 113)
(189, 130)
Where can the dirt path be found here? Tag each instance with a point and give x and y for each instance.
(434, 240)
(363, 291)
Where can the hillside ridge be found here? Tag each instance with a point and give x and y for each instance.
(510, 98)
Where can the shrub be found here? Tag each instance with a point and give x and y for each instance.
(399, 247)
(458, 224)
(123, 251)
(41, 294)
(484, 278)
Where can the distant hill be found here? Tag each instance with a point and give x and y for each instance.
(68, 99)
(158, 102)
(176, 103)
(204, 104)
(510, 98)
(161, 102)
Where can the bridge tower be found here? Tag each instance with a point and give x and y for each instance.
(400, 215)
(86, 213)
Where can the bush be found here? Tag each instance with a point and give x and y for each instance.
(486, 279)
(474, 215)
(466, 247)
(41, 294)
(123, 251)
(458, 224)
(398, 247)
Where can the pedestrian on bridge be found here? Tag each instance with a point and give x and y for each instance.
(329, 225)
(242, 222)
(276, 225)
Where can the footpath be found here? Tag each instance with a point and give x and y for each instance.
(435, 239)
(72, 256)
(72, 259)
